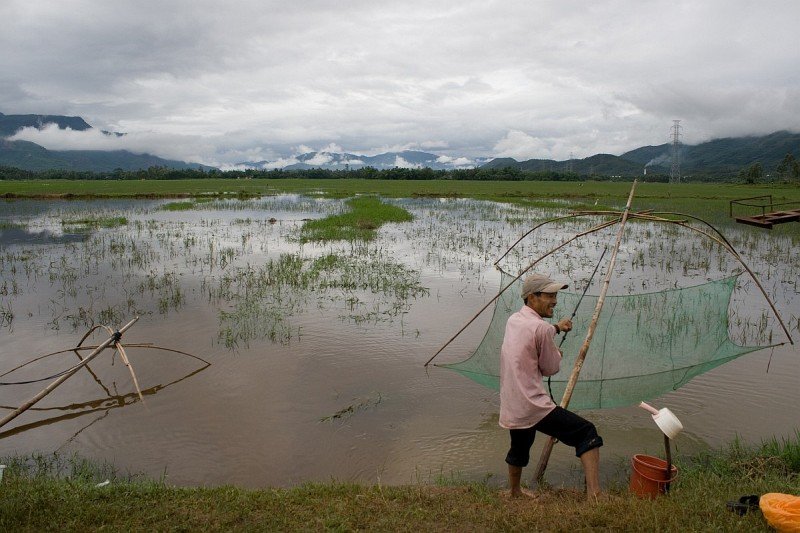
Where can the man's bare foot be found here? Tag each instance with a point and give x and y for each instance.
(520, 493)
(599, 497)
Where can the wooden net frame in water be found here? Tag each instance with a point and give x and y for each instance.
(113, 341)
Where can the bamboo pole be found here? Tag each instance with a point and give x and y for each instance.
(668, 452)
(47, 390)
(118, 347)
(94, 347)
(125, 360)
(78, 355)
(573, 378)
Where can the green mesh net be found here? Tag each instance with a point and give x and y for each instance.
(644, 345)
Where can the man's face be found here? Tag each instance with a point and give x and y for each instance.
(543, 303)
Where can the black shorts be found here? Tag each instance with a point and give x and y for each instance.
(566, 426)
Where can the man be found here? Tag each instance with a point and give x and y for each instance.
(528, 353)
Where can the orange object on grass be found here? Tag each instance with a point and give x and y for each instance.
(782, 511)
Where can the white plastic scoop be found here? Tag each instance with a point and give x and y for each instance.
(667, 422)
(670, 426)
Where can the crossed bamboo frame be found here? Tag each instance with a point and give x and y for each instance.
(621, 218)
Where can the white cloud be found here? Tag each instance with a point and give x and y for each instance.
(399, 162)
(332, 148)
(462, 162)
(456, 162)
(320, 158)
(366, 77)
(280, 163)
(522, 146)
(196, 149)
(433, 145)
(303, 149)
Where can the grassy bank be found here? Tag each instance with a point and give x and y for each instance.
(46, 493)
(389, 188)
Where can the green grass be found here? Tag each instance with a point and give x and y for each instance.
(42, 493)
(103, 222)
(389, 188)
(11, 225)
(365, 216)
(179, 206)
(709, 200)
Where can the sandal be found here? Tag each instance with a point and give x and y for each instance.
(745, 504)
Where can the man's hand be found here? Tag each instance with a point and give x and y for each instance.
(565, 324)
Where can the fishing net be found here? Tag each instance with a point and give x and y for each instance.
(644, 345)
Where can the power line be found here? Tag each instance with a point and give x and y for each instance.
(675, 170)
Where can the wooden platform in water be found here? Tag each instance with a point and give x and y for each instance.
(767, 220)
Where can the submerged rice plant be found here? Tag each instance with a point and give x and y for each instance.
(265, 298)
(179, 206)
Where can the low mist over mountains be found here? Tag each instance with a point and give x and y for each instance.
(31, 156)
(11, 124)
(716, 158)
(345, 161)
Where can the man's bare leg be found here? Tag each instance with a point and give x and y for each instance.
(514, 483)
(591, 469)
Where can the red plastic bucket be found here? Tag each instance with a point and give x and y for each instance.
(649, 476)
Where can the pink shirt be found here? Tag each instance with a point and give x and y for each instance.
(528, 353)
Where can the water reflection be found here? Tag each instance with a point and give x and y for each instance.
(99, 405)
(11, 236)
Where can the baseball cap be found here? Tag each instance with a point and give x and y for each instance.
(540, 283)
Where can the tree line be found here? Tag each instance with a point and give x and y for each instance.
(788, 170)
(165, 173)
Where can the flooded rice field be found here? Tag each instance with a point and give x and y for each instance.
(297, 362)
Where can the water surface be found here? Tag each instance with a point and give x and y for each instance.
(319, 375)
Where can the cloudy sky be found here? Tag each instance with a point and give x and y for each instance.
(219, 82)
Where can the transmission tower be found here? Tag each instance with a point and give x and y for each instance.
(675, 170)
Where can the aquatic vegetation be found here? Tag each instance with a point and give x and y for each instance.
(179, 206)
(6, 314)
(357, 405)
(11, 225)
(264, 298)
(94, 222)
(366, 215)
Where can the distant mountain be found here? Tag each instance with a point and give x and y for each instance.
(722, 155)
(345, 161)
(600, 164)
(606, 165)
(11, 124)
(31, 156)
(718, 157)
(715, 157)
